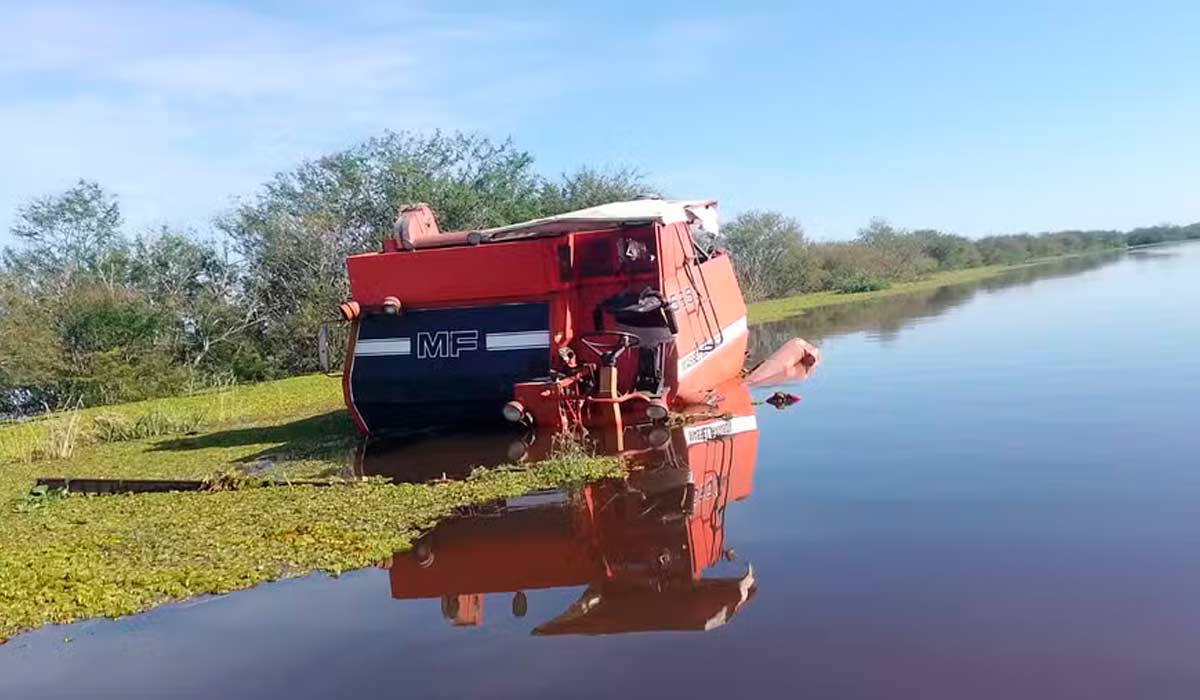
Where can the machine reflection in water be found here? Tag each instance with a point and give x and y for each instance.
(647, 547)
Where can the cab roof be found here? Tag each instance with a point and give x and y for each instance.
(628, 213)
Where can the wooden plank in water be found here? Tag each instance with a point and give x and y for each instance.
(111, 486)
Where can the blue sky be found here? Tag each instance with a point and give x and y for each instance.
(976, 118)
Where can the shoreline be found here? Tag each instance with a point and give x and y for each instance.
(768, 310)
(69, 558)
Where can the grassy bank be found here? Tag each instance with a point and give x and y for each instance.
(68, 558)
(59, 435)
(776, 309)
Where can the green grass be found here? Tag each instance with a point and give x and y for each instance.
(776, 309)
(68, 558)
(309, 395)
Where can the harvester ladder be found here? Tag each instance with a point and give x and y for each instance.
(715, 334)
(724, 481)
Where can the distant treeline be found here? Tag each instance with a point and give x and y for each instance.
(775, 259)
(91, 313)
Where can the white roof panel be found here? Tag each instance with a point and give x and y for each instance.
(637, 211)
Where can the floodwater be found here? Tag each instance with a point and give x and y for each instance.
(988, 491)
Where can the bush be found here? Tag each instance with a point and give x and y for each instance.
(902, 255)
(860, 283)
(31, 357)
(843, 263)
(769, 254)
(115, 427)
(950, 252)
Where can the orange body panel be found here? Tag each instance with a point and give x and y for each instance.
(451, 276)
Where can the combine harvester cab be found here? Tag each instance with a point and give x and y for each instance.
(599, 317)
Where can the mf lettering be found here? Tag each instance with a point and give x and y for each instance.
(446, 343)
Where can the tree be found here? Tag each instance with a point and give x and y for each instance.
(199, 283)
(950, 251)
(31, 360)
(769, 253)
(903, 254)
(65, 236)
(92, 316)
(589, 187)
(118, 346)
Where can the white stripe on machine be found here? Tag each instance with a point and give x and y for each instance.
(696, 434)
(728, 334)
(519, 340)
(383, 346)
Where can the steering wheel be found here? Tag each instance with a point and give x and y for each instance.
(609, 345)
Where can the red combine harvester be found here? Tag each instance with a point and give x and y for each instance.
(598, 317)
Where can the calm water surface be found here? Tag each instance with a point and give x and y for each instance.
(988, 491)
